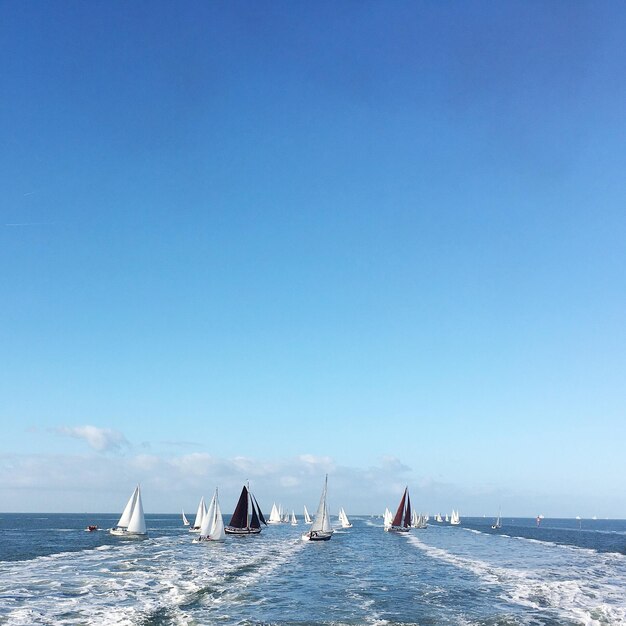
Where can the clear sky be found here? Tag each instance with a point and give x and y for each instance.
(266, 240)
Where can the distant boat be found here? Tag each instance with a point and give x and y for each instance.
(387, 519)
(185, 520)
(497, 525)
(92, 528)
(320, 529)
(247, 518)
(275, 516)
(307, 517)
(343, 519)
(294, 519)
(447, 519)
(438, 518)
(212, 528)
(200, 513)
(401, 522)
(418, 520)
(132, 523)
(455, 520)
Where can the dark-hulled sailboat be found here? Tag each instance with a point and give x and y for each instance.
(401, 522)
(320, 529)
(247, 518)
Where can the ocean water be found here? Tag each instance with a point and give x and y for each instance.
(54, 572)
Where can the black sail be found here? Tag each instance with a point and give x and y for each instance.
(258, 508)
(240, 515)
(407, 515)
(254, 520)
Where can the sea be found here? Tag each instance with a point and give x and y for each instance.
(564, 572)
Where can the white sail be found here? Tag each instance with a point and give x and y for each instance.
(274, 517)
(455, 520)
(447, 519)
(387, 518)
(185, 520)
(343, 519)
(321, 528)
(137, 525)
(307, 517)
(213, 523)
(294, 520)
(200, 513)
(124, 520)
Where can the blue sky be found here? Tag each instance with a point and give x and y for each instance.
(268, 240)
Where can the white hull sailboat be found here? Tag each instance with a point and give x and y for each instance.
(132, 523)
(307, 517)
(212, 528)
(247, 517)
(455, 520)
(320, 529)
(185, 520)
(387, 519)
(294, 519)
(200, 513)
(275, 515)
(497, 525)
(343, 519)
(401, 522)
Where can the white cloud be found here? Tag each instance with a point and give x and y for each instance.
(100, 439)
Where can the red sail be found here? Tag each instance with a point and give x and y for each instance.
(397, 520)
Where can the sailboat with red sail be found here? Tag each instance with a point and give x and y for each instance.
(401, 522)
(247, 518)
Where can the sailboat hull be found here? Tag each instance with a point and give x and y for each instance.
(319, 535)
(397, 529)
(232, 530)
(122, 532)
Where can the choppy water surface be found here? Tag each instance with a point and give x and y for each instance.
(53, 572)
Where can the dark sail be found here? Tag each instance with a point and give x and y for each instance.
(258, 508)
(254, 520)
(397, 520)
(240, 516)
(407, 515)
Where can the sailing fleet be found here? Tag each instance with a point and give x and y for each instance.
(248, 519)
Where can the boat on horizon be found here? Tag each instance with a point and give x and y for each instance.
(343, 519)
(497, 525)
(212, 528)
(307, 517)
(247, 517)
(185, 520)
(455, 519)
(200, 513)
(401, 522)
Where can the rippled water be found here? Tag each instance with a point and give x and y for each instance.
(53, 572)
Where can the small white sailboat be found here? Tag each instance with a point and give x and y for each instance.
(455, 520)
(343, 519)
(446, 519)
(200, 513)
(185, 520)
(497, 525)
(307, 517)
(387, 519)
(294, 519)
(275, 517)
(132, 523)
(212, 528)
(321, 529)
(438, 518)
(401, 522)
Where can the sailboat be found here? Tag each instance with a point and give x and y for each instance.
(212, 528)
(343, 519)
(200, 513)
(455, 520)
(132, 523)
(320, 529)
(446, 519)
(497, 524)
(307, 517)
(247, 518)
(185, 520)
(401, 522)
(438, 518)
(387, 519)
(294, 519)
(274, 517)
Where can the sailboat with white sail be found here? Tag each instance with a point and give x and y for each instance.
(212, 528)
(132, 523)
(185, 520)
(294, 519)
(275, 516)
(200, 513)
(455, 520)
(247, 517)
(438, 518)
(387, 519)
(307, 517)
(401, 522)
(320, 529)
(497, 525)
(343, 519)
